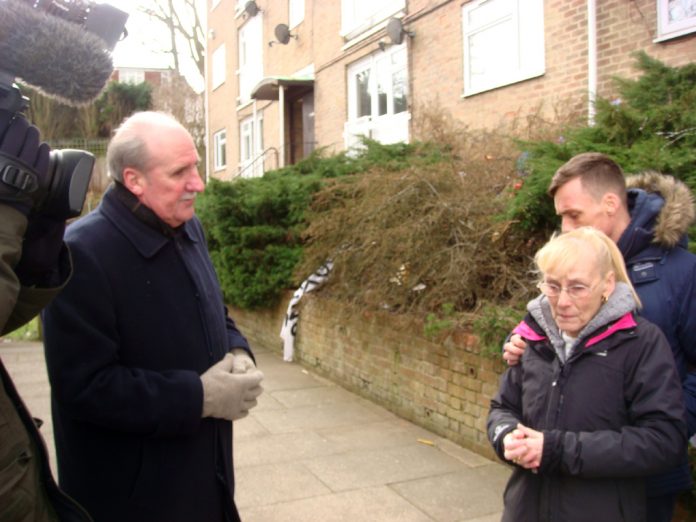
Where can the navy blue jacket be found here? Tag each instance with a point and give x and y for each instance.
(663, 272)
(126, 342)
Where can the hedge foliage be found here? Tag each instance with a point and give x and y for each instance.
(254, 225)
(413, 213)
(651, 125)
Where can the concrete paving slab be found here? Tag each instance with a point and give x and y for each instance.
(312, 451)
(313, 396)
(466, 456)
(316, 417)
(495, 517)
(374, 435)
(248, 428)
(274, 483)
(286, 376)
(464, 495)
(377, 504)
(279, 448)
(360, 468)
(267, 401)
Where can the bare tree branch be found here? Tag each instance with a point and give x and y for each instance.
(183, 21)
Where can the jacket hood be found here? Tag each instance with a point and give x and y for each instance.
(669, 221)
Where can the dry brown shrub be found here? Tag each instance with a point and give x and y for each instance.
(418, 238)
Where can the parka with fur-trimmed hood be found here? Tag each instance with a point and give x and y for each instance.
(663, 272)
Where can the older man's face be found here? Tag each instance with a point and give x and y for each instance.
(171, 183)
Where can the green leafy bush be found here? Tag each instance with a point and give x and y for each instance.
(492, 324)
(650, 125)
(254, 225)
(453, 218)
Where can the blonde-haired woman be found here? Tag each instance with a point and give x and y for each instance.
(596, 403)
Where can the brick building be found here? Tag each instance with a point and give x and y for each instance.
(288, 76)
(136, 75)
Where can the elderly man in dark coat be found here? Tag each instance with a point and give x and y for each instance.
(147, 369)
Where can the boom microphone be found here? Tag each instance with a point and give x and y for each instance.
(59, 58)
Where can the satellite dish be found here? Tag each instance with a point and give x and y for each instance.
(282, 33)
(251, 8)
(396, 31)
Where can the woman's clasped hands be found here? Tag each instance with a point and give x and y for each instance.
(524, 447)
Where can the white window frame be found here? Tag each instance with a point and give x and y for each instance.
(220, 149)
(218, 67)
(251, 146)
(390, 127)
(358, 16)
(296, 12)
(520, 57)
(131, 76)
(669, 27)
(250, 72)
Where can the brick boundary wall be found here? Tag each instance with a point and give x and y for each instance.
(443, 385)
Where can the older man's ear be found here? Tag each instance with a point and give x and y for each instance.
(133, 180)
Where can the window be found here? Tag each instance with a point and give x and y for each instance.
(251, 162)
(675, 18)
(220, 149)
(250, 57)
(358, 16)
(132, 76)
(503, 43)
(295, 12)
(377, 97)
(219, 66)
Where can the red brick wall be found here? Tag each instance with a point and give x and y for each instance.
(436, 64)
(444, 385)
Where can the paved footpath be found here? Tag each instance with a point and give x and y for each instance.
(314, 452)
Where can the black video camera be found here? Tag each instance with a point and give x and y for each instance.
(61, 194)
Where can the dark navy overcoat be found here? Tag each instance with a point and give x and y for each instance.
(126, 342)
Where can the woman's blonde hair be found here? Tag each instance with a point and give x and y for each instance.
(563, 250)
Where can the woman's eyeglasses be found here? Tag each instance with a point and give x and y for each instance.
(577, 291)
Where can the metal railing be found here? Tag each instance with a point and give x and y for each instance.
(260, 156)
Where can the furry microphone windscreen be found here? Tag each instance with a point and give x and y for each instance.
(57, 57)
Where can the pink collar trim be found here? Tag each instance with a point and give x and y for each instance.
(626, 322)
(526, 332)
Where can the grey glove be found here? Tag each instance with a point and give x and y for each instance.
(228, 395)
(242, 363)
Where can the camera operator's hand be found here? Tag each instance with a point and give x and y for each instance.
(21, 149)
(23, 159)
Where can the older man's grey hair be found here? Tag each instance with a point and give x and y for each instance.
(128, 147)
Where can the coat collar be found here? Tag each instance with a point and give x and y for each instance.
(530, 330)
(146, 239)
(613, 316)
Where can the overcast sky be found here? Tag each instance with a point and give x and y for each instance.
(143, 47)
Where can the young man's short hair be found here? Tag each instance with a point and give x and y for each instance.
(598, 174)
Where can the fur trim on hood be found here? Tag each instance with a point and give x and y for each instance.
(678, 212)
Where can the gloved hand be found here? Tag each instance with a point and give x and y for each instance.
(228, 395)
(242, 362)
(23, 161)
(41, 248)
